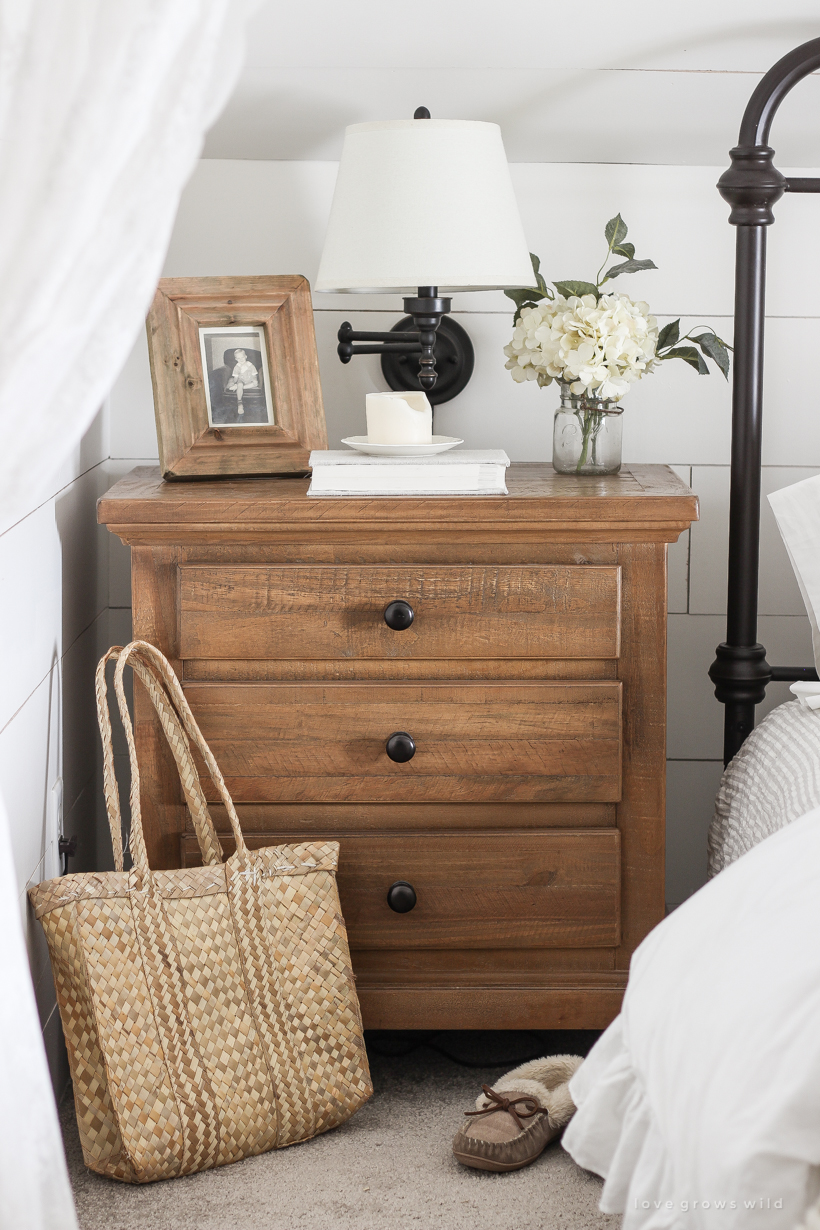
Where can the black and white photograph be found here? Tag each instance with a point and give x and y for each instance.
(237, 385)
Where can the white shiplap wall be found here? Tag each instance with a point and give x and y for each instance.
(246, 217)
(53, 625)
(582, 83)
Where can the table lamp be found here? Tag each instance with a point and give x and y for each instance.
(422, 208)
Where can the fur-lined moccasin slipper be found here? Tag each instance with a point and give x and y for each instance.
(515, 1120)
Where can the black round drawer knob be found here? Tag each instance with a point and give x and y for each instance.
(401, 897)
(401, 747)
(398, 616)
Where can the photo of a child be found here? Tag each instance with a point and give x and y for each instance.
(244, 376)
(237, 386)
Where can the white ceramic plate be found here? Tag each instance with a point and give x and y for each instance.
(439, 444)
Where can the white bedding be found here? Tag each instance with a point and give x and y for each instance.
(774, 779)
(700, 1105)
(703, 1098)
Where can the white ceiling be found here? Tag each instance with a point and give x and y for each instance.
(642, 81)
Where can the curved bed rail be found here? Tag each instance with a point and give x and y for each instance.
(752, 185)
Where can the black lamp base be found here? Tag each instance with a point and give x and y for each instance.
(454, 362)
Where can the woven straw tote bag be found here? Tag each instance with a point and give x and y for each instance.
(210, 1013)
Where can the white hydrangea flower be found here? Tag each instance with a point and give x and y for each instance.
(597, 346)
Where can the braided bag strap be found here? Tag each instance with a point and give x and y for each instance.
(151, 654)
(178, 723)
(110, 789)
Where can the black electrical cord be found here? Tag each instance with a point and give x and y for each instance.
(440, 1050)
(431, 1044)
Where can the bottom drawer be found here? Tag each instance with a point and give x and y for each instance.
(558, 889)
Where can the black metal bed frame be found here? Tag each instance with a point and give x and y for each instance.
(751, 186)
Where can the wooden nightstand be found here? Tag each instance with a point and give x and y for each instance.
(531, 680)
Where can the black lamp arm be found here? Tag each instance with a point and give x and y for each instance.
(348, 334)
(426, 309)
(387, 343)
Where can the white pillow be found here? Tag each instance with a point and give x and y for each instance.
(797, 512)
(703, 1097)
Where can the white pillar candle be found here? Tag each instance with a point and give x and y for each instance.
(399, 418)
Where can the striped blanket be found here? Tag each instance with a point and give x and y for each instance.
(773, 780)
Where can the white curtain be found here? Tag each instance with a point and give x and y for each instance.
(103, 108)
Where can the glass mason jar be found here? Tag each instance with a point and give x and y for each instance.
(586, 436)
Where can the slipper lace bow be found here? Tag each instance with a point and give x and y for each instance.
(531, 1106)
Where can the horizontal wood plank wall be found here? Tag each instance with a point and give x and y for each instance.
(523, 762)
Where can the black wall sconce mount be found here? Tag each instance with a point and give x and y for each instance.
(445, 353)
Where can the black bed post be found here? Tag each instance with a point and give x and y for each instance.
(740, 671)
(751, 186)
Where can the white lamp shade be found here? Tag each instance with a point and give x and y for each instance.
(424, 203)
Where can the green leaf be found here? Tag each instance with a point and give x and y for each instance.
(615, 231)
(629, 266)
(529, 303)
(624, 249)
(528, 296)
(523, 299)
(520, 297)
(714, 348)
(690, 356)
(669, 335)
(539, 277)
(576, 288)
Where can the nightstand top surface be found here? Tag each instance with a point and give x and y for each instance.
(640, 493)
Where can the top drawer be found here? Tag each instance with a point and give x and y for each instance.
(337, 611)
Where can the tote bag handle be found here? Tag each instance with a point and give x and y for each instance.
(179, 725)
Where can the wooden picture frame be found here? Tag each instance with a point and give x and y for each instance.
(198, 394)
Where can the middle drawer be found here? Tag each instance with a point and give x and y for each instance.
(474, 742)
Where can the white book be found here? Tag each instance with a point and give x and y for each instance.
(465, 472)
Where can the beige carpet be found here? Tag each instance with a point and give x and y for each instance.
(388, 1167)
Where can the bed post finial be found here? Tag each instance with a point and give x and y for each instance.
(751, 185)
